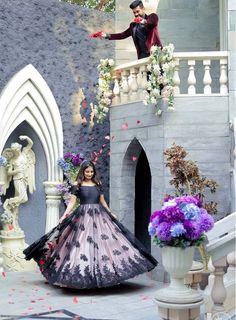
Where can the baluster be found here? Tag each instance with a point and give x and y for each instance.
(207, 77)
(144, 81)
(218, 293)
(176, 78)
(230, 281)
(191, 77)
(134, 84)
(125, 86)
(223, 76)
(116, 90)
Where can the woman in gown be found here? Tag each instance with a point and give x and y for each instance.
(89, 248)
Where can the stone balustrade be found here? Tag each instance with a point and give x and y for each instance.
(202, 73)
(221, 248)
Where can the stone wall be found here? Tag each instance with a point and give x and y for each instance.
(54, 37)
(199, 124)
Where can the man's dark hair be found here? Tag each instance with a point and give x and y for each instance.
(135, 4)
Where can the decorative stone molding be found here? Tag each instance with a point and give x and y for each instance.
(12, 250)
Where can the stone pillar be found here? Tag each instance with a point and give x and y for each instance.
(53, 200)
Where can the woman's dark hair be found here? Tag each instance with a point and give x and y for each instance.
(136, 4)
(80, 177)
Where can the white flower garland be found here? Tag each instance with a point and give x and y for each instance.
(104, 96)
(160, 81)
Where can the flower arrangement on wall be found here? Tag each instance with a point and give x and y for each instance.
(104, 96)
(160, 77)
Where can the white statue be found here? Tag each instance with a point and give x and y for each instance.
(21, 169)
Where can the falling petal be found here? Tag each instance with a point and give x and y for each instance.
(75, 300)
(107, 137)
(134, 158)
(125, 126)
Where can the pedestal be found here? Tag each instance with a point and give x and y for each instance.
(12, 253)
(177, 301)
(172, 311)
(53, 200)
(194, 276)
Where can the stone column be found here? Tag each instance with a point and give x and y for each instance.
(53, 200)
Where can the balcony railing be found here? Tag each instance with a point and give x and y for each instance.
(202, 73)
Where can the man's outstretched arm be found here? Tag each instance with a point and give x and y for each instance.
(117, 36)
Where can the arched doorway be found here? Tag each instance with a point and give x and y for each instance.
(27, 100)
(142, 203)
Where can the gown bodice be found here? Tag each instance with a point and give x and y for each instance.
(87, 194)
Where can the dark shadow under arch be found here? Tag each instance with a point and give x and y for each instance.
(142, 201)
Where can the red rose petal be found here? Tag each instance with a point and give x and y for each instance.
(75, 300)
(125, 126)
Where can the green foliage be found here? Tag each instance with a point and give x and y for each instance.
(102, 5)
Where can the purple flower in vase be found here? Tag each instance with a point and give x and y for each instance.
(189, 199)
(68, 156)
(151, 230)
(193, 230)
(206, 222)
(163, 231)
(172, 214)
(191, 211)
(177, 230)
(76, 160)
(154, 215)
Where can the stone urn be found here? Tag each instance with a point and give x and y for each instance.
(177, 262)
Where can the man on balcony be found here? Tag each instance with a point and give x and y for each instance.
(143, 30)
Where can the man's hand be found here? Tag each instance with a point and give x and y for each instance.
(139, 20)
(98, 34)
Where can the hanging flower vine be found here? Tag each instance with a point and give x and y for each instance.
(160, 78)
(104, 96)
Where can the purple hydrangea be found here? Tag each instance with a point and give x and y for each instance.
(181, 222)
(206, 222)
(77, 160)
(68, 156)
(65, 166)
(163, 231)
(191, 211)
(151, 229)
(177, 229)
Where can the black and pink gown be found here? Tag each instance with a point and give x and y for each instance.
(90, 248)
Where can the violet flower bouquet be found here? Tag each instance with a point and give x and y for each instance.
(181, 222)
(70, 165)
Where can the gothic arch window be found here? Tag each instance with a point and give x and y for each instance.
(27, 97)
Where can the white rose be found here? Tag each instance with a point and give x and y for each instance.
(111, 62)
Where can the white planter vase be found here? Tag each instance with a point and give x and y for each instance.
(177, 262)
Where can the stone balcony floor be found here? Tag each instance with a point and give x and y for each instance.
(25, 295)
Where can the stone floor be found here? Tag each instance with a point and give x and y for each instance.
(25, 295)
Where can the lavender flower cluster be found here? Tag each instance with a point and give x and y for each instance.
(70, 164)
(69, 160)
(181, 222)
